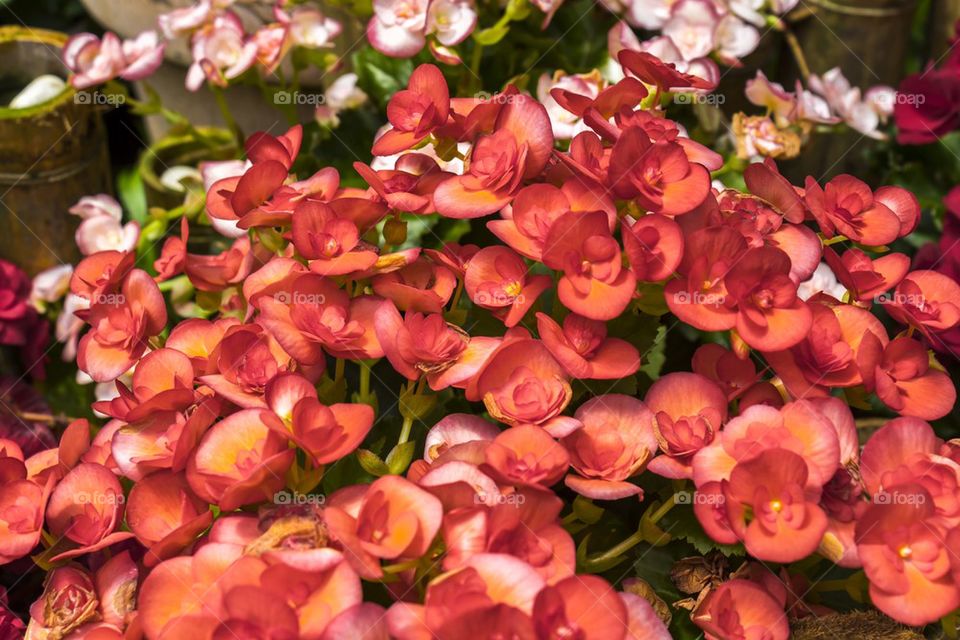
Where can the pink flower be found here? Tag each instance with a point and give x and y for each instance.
(584, 350)
(104, 233)
(308, 27)
(741, 608)
(94, 61)
(86, 508)
(184, 21)
(98, 205)
(397, 27)
(691, 26)
(616, 442)
(221, 52)
(451, 20)
(521, 383)
(419, 344)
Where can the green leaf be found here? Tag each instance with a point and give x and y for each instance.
(400, 456)
(132, 194)
(682, 523)
(372, 463)
(492, 35)
(416, 406)
(586, 510)
(380, 76)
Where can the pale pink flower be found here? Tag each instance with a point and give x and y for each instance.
(341, 95)
(397, 27)
(691, 28)
(50, 285)
(847, 102)
(648, 14)
(735, 38)
(143, 55)
(94, 61)
(104, 233)
(69, 325)
(98, 205)
(221, 52)
(185, 20)
(772, 96)
(451, 20)
(309, 27)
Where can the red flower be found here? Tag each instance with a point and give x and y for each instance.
(528, 220)
(595, 283)
(934, 112)
(521, 383)
(866, 278)
(121, 323)
(496, 279)
(331, 243)
(741, 609)
(926, 300)
(239, 461)
(901, 375)
(785, 522)
(659, 176)
(770, 316)
(261, 146)
(582, 347)
(392, 518)
(847, 206)
(316, 314)
(416, 111)
(689, 410)
(616, 442)
(419, 344)
(326, 434)
(654, 246)
(86, 508)
(828, 355)
(906, 558)
(517, 150)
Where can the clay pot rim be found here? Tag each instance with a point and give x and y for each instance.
(40, 36)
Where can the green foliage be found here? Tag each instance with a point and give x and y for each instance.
(381, 76)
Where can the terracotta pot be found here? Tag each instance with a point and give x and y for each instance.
(51, 155)
(129, 17)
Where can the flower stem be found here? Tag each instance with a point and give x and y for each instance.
(228, 118)
(364, 379)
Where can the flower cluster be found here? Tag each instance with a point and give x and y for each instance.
(238, 490)
(220, 46)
